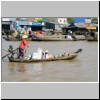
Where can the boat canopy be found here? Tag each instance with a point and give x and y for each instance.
(91, 27)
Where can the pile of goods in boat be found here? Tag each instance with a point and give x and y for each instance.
(40, 54)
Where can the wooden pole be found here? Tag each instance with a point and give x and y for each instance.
(9, 53)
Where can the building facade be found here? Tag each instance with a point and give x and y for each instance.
(58, 20)
(82, 20)
(8, 23)
(62, 20)
(34, 26)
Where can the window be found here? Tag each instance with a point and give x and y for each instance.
(64, 21)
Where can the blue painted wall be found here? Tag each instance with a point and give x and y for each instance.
(79, 20)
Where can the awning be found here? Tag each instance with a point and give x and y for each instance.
(6, 22)
(80, 25)
(37, 24)
(91, 27)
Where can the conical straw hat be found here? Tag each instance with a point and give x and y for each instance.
(24, 36)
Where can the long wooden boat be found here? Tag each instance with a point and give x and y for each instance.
(44, 39)
(10, 39)
(52, 39)
(55, 39)
(70, 56)
(90, 38)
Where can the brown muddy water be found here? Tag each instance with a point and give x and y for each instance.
(84, 68)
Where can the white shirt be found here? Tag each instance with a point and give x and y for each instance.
(47, 56)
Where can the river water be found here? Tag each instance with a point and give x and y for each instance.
(83, 68)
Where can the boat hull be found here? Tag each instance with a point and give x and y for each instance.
(44, 39)
(90, 38)
(70, 57)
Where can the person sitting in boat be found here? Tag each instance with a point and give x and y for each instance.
(72, 35)
(11, 50)
(46, 54)
(68, 35)
(22, 46)
(30, 35)
(33, 35)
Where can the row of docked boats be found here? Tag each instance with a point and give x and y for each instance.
(88, 37)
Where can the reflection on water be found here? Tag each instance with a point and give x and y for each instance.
(11, 66)
(83, 68)
(21, 67)
(37, 67)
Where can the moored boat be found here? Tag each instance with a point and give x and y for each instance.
(12, 39)
(92, 36)
(52, 39)
(57, 39)
(43, 39)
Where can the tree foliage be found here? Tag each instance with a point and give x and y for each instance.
(40, 20)
(70, 20)
(94, 19)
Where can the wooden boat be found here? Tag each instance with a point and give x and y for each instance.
(91, 37)
(70, 56)
(12, 39)
(43, 39)
(52, 39)
(55, 39)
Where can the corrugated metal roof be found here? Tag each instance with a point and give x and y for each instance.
(24, 22)
(80, 25)
(56, 23)
(30, 19)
